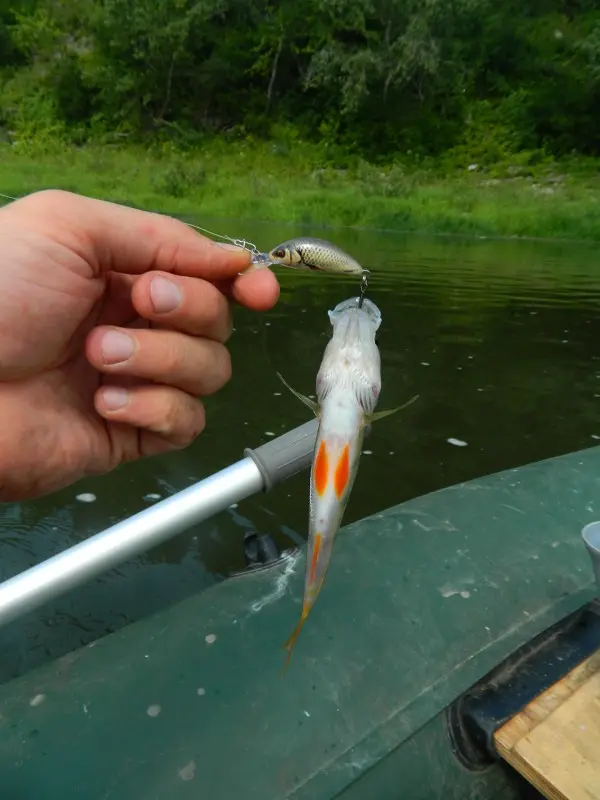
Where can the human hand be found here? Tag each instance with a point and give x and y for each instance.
(112, 323)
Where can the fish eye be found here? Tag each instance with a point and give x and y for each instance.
(279, 253)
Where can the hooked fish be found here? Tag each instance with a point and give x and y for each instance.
(306, 252)
(348, 387)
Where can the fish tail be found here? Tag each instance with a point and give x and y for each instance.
(291, 641)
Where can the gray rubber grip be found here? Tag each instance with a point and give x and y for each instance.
(591, 538)
(286, 455)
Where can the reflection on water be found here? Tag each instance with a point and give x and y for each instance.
(497, 338)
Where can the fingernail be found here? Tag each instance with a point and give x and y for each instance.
(116, 347)
(253, 268)
(233, 248)
(165, 296)
(114, 397)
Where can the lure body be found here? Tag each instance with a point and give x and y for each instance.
(306, 252)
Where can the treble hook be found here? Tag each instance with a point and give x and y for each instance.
(364, 285)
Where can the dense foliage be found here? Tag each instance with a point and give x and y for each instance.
(374, 76)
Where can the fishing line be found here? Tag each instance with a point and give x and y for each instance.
(247, 245)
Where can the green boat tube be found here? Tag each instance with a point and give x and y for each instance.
(421, 603)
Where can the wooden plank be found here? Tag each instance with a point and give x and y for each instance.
(554, 742)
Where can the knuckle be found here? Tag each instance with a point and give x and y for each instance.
(226, 366)
(213, 315)
(183, 420)
(50, 196)
(221, 366)
(173, 357)
(197, 422)
(168, 415)
(213, 309)
(172, 417)
(43, 200)
(168, 253)
(228, 322)
(55, 201)
(217, 370)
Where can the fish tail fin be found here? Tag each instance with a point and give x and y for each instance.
(291, 641)
(381, 414)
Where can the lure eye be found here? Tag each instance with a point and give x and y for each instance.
(279, 253)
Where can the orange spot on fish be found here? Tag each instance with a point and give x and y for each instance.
(342, 472)
(320, 470)
(315, 557)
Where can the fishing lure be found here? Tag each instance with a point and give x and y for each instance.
(306, 252)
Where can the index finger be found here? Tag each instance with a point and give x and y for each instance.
(110, 236)
(256, 290)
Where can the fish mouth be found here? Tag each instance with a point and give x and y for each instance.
(372, 311)
(368, 307)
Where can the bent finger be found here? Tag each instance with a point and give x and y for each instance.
(190, 305)
(195, 365)
(258, 291)
(175, 418)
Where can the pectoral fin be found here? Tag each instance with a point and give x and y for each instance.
(370, 418)
(306, 400)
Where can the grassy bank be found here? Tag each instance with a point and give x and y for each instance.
(294, 183)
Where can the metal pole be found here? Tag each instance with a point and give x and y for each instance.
(260, 469)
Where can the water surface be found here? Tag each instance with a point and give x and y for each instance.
(499, 339)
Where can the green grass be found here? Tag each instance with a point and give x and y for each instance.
(283, 182)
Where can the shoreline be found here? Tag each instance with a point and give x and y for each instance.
(253, 182)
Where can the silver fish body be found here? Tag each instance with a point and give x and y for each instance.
(306, 252)
(348, 387)
(351, 362)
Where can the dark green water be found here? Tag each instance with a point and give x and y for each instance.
(500, 339)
